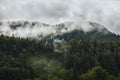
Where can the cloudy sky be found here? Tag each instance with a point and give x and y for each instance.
(106, 12)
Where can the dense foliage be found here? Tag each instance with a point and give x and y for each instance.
(24, 59)
(91, 35)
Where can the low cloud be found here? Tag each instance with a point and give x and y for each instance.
(105, 12)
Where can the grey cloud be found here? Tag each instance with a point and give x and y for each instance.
(105, 12)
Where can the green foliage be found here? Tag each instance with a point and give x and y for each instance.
(91, 35)
(52, 77)
(97, 73)
(84, 55)
(18, 60)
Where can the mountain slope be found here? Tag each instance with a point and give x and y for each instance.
(66, 30)
(88, 31)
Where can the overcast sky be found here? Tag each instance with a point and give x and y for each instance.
(106, 12)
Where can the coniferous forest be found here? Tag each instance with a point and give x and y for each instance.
(26, 59)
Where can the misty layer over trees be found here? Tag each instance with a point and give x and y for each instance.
(38, 30)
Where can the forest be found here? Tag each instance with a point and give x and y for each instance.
(27, 59)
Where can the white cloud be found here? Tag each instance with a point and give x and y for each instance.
(53, 11)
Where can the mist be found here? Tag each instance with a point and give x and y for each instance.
(105, 12)
(30, 29)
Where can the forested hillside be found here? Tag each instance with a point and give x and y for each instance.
(25, 59)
